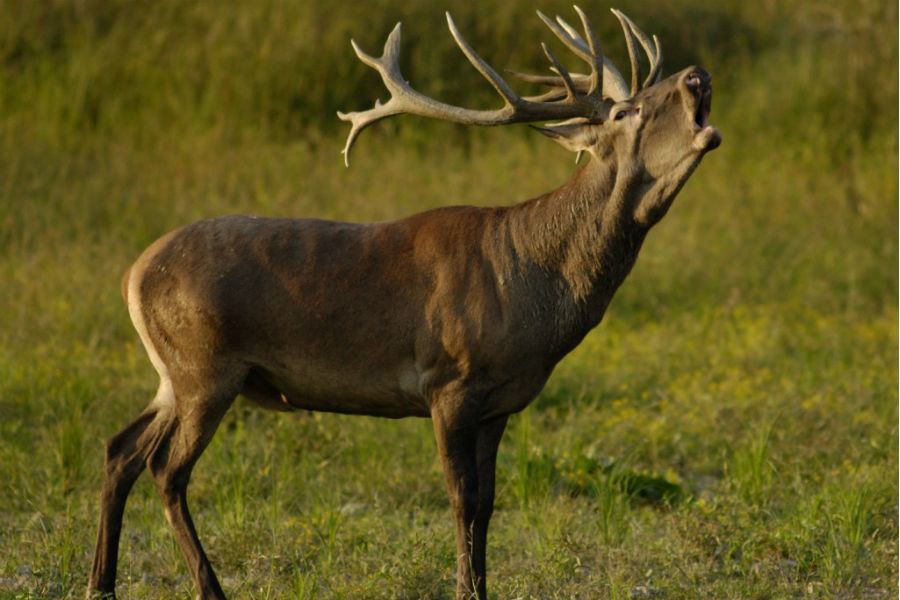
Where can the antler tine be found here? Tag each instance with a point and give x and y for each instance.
(479, 63)
(580, 83)
(573, 33)
(590, 52)
(631, 42)
(596, 55)
(551, 80)
(656, 69)
(609, 80)
(652, 47)
(388, 67)
(567, 36)
(562, 71)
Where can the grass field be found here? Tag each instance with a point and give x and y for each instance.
(729, 431)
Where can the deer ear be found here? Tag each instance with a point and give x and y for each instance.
(575, 137)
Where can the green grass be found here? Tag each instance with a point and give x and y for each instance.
(729, 431)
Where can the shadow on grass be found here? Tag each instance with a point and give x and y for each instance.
(583, 475)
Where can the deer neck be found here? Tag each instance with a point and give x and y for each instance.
(585, 237)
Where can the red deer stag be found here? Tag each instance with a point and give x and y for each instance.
(457, 314)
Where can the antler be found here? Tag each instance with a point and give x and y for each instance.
(586, 96)
(653, 50)
(613, 84)
(604, 74)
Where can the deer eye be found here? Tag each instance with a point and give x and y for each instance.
(628, 110)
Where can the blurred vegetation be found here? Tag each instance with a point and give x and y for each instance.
(747, 370)
(277, 69)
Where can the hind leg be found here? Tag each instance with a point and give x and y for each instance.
(126, 456)
(198, 414)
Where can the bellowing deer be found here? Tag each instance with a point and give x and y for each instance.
(458, 314)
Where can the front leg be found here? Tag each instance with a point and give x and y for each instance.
(489, 434)
(455, 421)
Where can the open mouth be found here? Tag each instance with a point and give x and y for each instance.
(697, 81)
(701, 114)
(706, 137)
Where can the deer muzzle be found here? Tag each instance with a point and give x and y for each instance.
(698, 83)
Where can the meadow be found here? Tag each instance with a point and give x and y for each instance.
(729, 431)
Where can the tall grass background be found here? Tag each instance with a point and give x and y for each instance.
(729, 431)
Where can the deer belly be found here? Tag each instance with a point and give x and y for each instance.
(339, 390)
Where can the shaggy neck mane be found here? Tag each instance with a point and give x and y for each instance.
(584, 234)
